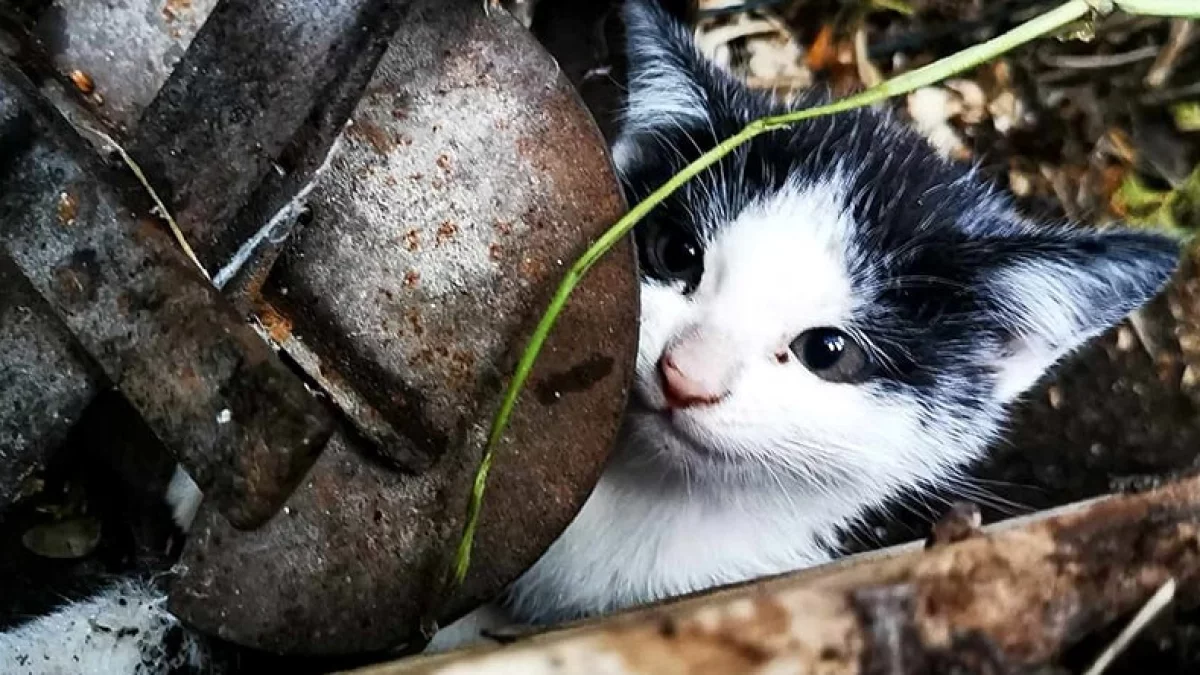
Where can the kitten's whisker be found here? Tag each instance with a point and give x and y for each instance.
(961, 487)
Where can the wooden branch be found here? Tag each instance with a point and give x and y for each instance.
(1012, 596)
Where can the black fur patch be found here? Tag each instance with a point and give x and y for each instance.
(930, 238)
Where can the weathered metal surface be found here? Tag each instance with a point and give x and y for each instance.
(276, 207)
(469, 178)
(1012, 598)
(45, 380)
(126, 49)
(246, 428)
(248, 84)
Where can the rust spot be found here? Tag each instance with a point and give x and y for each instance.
(189, 379)
(174, 8)
(495, 252)
(530, 269)
(580, 377)
(529, 149)
(443, 162)
(412, 240)
(464, 360)
(77, 278)
(411, 278)
(68, 208)
(446, 232)
(416, 176)
(460, 367)
(503, 227)
(278, 326)
(414, 320)
(379, 139)
(83, 82)
(146, 230)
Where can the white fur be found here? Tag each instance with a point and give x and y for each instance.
(184, 498)
(660, 95)
(662, 90)
(469, 629)
(758, 483)
(99, 636)
(1052, 305)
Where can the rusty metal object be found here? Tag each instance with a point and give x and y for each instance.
(244, 425)
(411, 343)
(258, 71)
(45, 381)
(469, 177)
(1005, 601)
(126, 48)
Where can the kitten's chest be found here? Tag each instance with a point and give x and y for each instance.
(633, 544)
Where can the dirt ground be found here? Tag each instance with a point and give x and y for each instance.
(1100, 130)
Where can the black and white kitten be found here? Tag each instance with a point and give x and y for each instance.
(832, 315)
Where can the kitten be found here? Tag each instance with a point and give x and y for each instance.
(831, 315)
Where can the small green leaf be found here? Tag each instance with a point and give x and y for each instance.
(1083, 30)
(1187, 115)
(1177, 210)
(899, 6)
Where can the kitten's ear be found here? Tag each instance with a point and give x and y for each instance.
(1053, 291)
(669, 81)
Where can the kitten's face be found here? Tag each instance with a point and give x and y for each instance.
(835, 302)
(756, 353)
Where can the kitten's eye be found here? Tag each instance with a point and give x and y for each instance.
(676, 255)
(832, 355)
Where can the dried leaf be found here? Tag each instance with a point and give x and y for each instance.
(973, 100)
(931, 109)
(867, 72)
(822, 53)
(66, 539)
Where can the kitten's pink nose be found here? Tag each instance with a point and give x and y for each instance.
(686, 387)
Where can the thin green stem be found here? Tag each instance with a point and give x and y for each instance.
(968, 58)
(899, 6)
(1183, 9)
